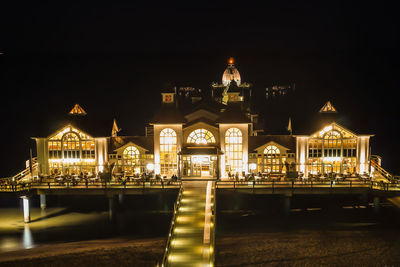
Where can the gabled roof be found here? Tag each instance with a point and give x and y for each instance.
(146, 142)
(287, 141)
(233, 114)
(201, 120)
(168, 114)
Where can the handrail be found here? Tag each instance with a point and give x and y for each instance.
(26, 171)
(171, 228)
(214, 224)
(15, 187)
(293, 185)
(381, 170)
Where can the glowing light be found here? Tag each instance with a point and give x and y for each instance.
(252, 166)
(325, 130)
(231, 60)
(150, 166)
(332, 158)
(25, 203)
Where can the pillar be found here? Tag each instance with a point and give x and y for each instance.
(286, 205)
(43, 201)
(25, 206)
(376, 205)
(121, 198)
(111, 208)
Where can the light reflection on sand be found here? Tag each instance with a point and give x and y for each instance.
(15, 234)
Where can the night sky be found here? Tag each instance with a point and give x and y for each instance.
(113, 59)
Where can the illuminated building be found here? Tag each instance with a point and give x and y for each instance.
(215, 136)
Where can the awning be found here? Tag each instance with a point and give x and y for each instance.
(200, 151)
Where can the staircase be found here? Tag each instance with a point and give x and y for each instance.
(379, 172)
(26, 175)
(192, 234)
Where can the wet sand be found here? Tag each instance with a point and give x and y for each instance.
(309, 248)
(106, 252)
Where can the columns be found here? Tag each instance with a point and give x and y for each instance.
(111, 207)
(376, 204)
(121, 198)
(286, 205)
(26, 209)
(43, 201)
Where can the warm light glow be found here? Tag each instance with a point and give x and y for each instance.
(150, 166)
(231, 60)
(253, 166)
(201, 136)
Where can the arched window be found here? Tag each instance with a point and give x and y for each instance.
(168, 153)
(332, 144)
(201, 136)
(233, 150)
(272, 151)
(71, 153)
(130, 159)
(272, 159)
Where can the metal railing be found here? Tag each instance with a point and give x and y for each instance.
(172, 227)
(308, 185)
(26, 171)
(88, 185)
(214, 224)
(381, 170)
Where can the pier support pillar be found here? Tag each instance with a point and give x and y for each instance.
(376, 205)
(286, 205)
(121, 198)
(43, 202)
(26, 208)
(111, 208)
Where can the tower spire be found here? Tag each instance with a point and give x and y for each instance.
(115, 129)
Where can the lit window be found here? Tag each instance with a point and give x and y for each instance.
(272, 159)
(71, 152)
(168, 153)
(130, 159)
(201, 136)
(233, 150)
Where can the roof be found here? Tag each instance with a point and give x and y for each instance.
(287, 141)
(233, 114)
(93, 126)
(147, 142)
(168, 114)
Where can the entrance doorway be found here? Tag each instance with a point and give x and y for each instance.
(201, 166)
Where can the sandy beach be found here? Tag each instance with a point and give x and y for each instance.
(106, 252)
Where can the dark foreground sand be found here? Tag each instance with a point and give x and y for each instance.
(309, 248)
(289, 248)
(109, 252)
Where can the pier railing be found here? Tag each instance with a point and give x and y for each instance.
(274, 185)
(171, 228)
(88, 185)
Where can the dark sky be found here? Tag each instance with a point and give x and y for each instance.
(113, 59)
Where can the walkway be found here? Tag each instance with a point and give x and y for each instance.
(193, 233)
